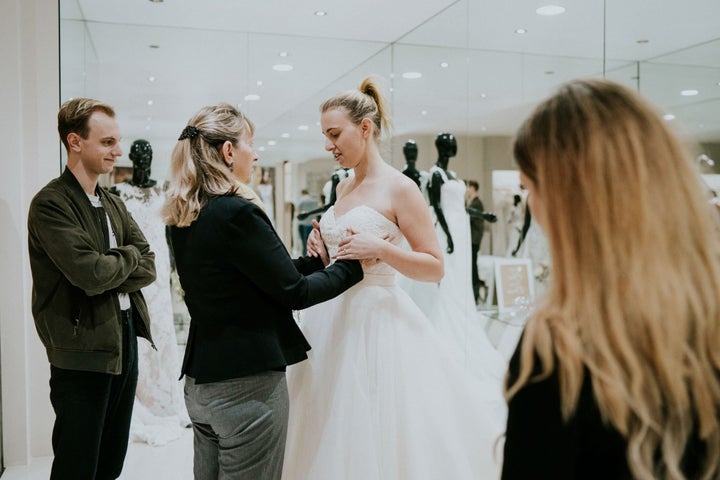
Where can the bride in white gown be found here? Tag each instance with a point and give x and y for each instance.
(381, 395)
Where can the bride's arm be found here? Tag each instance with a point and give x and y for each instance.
(425, 261)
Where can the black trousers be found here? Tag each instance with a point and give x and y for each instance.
(475, 248)
(92, 416)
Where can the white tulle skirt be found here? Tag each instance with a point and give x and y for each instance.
(383, 397)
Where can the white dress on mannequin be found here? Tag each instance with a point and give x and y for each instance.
(159, 414)
(451, 304)
(381, 395)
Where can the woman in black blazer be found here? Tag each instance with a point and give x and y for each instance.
(240, 288)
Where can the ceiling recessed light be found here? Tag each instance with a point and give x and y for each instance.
(482, 129)
(483, 95)
(271, 142)
(252, 97)
(444, 64)
(147, 127)
(320, 13)
(412, 75)
(150, 102)
(262, 149)
(151, 79)
(718, 84)
(424, 112)
(282, 67)
(149, 118)
(303, 127)
(668, 117)
(259, 83)
(317, 124)
(282, 54)
(689, 93)
(549, 10)
(521, 31)
(285, 135)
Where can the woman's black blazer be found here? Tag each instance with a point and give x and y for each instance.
(240, 288)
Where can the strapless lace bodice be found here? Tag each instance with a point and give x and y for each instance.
(361, 219)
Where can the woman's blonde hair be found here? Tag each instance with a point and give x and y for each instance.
(635, 291)
(365, 102)
(198, 170)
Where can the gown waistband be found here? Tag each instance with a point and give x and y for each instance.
(382, 279)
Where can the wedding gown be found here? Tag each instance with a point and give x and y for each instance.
(381, 395)
(159, 414)
(450, 305)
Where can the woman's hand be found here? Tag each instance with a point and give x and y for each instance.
(360, 246)
(315, 245)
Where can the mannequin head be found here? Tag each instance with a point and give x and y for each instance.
(410, 150)
(141, 155)
(447, 147)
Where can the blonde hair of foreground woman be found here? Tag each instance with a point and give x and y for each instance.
(197, 168)
(635, 296)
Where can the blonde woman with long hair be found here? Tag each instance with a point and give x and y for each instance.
(240, 289)
(618, 371)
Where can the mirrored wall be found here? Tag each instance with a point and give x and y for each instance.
(474, 68)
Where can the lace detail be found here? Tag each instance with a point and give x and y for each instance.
(362, 219)
(159, 414)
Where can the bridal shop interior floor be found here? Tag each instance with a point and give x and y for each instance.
(174, 460)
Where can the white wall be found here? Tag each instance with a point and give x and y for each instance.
(29, 103)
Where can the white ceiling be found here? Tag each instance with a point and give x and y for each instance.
(218, 50)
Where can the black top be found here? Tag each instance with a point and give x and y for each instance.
(477, 224)
(240, 289)
(540, 445)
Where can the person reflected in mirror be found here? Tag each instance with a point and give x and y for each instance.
(241, 287)
(89, 260)
(477, 229)
(329, 192)
(306, 203)
(617, 374)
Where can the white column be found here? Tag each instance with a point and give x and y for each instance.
(29, 98)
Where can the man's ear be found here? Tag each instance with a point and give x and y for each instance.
(73, 140)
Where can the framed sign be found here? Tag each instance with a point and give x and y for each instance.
(513, 283)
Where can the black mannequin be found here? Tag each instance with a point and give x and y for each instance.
(337, 176)
(447, 147)
(141, 157)
(410, 150)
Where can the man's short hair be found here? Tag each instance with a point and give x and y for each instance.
(74, 114)
(474, 184)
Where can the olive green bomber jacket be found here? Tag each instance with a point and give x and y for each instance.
(76, 278)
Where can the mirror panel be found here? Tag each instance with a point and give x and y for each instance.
(493, 76)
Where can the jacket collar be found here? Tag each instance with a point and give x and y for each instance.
(68, 178)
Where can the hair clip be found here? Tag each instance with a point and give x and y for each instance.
(189, 132)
